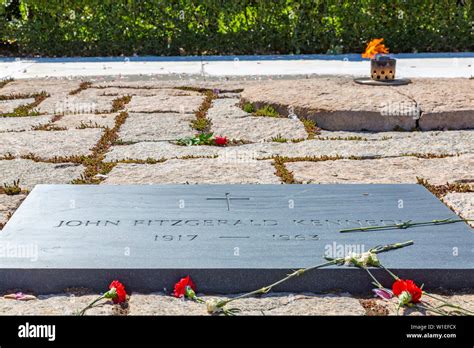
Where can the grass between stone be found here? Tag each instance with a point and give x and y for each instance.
(266, 111)
(148, 160)
(119, 103)
(310, 127)
(351, 138)
(442, 190)
(95, 164)
(11, 189)
(48, 127)
(82, 86)
(4, 82)
(201, 123)
(429, 155)
(25, 110)
(282, 172)
(89, 125)
(205, 90)
(9, 156)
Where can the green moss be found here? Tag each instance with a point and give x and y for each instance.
(442, 190)
(82, 86)
(248, 107)
(266, 111)
(119, 103)
(279, 139)
(201, 124)
(13, 189)
(310, 127)
(282, 172)
(25, 110)
(48, 127)
(4, 82)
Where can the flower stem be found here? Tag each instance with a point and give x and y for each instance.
(446, 303)
(376, 282)
(90, 305)
(266, 289)
(404, 225)
(390, 272)
(428, 307)
(331, 261)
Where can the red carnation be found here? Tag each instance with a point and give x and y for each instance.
(220, 141)
(182, 287)
(121, 294)
(116, 293)
(407, 291)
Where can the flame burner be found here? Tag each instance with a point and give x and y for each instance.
(382, 73)
(383, 68)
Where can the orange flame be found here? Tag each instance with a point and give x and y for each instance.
(373, 48)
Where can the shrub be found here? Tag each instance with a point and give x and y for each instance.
(267, 111)
(171, 27)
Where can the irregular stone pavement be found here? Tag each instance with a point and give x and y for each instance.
(79, 128)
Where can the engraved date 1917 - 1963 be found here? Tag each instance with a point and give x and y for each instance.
(192, 237)
(177, 238)
(295, 237)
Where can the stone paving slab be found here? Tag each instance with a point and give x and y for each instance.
(226, 109)
(399, 143)
(464, 300)
(340, 104)
(32, 86)
(115, 91)
(32, 173)
(445, 103)
(156, 126)
(7, 106)
(398, 170)
(8, 205)
(60, 104)
(462, 204)
(231, 121)
(184, 104)
(157, 83)
(48, 144)
(425, 143)
(64, 304)
(194, 171)
(334, 103)
(158, 150)
(20, 124)
(351, 136)
(271, 304)
(161, 304)
(259, 129)
(88, 120)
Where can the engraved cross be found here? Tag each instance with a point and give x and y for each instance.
(227, 198)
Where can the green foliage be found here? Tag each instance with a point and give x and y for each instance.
(173, 27)
(280, 139)
(267, 111)
(13, 189)
(200, 139)
(201, 124)
(248, 107)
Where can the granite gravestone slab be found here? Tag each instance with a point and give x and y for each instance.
(229, 238)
